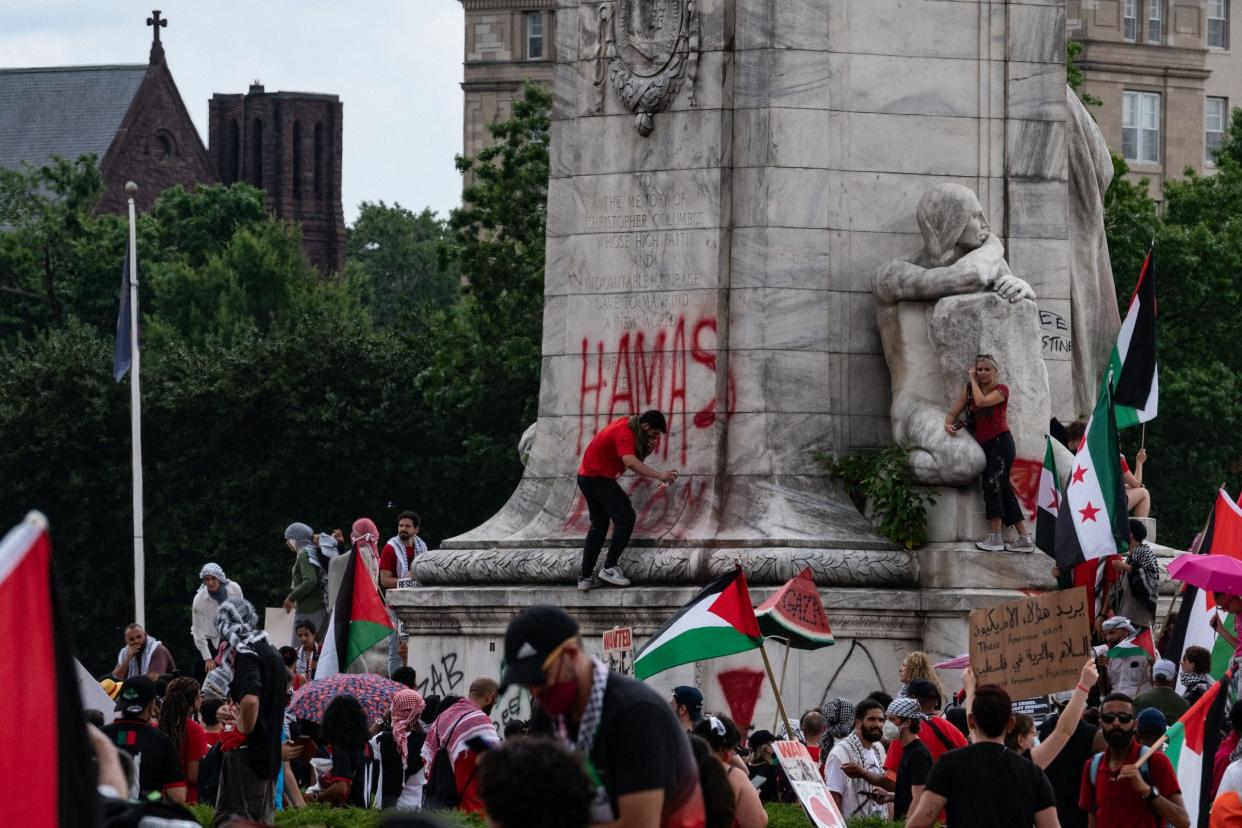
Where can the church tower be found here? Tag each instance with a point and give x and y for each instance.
(287, 144)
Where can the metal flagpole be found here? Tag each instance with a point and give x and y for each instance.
(135, 413)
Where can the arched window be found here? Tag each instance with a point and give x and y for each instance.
(256, 153)
(234, 157)
(297, 160)
(319, 160)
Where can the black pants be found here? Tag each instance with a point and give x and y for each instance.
(999, 500)
(606, 501)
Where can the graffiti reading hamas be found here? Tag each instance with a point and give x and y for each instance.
(672, 370)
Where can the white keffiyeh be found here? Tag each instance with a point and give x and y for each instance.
(141, 665)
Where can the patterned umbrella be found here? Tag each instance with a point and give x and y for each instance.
(374, 692)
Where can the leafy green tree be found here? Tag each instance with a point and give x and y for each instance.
(403, 256)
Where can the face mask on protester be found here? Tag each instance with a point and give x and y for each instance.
(891, 731)
(559, 698)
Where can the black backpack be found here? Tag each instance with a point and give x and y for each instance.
(209, 775)
(440, 793)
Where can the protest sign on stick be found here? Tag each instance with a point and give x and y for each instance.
(619, 650)
(803, 776)
(1032, 646)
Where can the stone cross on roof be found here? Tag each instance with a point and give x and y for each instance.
(157, 48)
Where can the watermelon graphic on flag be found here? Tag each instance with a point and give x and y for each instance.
(719, 621)
(1192, 743)
(1140, 644)
(796, 614)
(359, 620)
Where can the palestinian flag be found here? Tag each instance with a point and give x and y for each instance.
(359, 620)
(1132, 365)
(1048, 503)
(1140, 644)
(45, 756)
(1192, 743)
(719, 621)
(1092, 522)
(1224, 528)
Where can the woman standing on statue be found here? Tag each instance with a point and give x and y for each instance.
(985, 403)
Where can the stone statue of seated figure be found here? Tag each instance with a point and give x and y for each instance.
(959, 257)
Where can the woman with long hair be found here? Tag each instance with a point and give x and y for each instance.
(917, 665)
(346, 733)
(723, 737)
(177, 721)
(985, 401)
(718, 799)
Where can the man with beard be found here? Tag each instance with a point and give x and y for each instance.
(463, 731)
(635, 751)
(142, 655)
(1130, 675)
(854, 770)
(394, 571)
(1115, 791)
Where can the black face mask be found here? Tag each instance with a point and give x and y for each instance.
(488, 710)
(1118, 738)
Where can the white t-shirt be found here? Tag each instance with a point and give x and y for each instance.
(850, 749)
(1232, 780)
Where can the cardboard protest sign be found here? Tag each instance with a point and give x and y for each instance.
(804, 777)
(619, 650)
(1032, 646)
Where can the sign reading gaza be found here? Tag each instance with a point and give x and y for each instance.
(1032, 646)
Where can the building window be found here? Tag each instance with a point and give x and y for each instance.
(1140, 127)
(319, 160)
(1218, 24)
(1215, 112)
(1129, 21)
(256, 153)
(297, 160)
(1155, 21)
(534, 35)
(234, 162)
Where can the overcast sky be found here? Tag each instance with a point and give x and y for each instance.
(396, 65)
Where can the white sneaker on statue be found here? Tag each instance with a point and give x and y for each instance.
(613, 575)
(1022, 544)
(585, 584)
(992, 543)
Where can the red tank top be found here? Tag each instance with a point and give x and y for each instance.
(990, 420)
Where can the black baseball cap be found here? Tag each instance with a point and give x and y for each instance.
(531, 637)
(691, 699)
(135, 695)
(923, 690)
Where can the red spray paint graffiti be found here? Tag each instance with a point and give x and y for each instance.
(660, 511)
(741, 691)
(645, 371)
(1024, 477)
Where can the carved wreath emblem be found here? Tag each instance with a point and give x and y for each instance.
(649, 49)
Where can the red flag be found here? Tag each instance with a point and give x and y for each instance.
(45, 757)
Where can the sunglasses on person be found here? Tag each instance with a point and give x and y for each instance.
(1122, 718)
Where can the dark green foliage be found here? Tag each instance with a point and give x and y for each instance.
(405, 258)
(1073, 75)
(1198, 243)
(881, 486)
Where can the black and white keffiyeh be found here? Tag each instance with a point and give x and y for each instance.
(237, 623)
(1191, 680)
(141, 665)
(588, 727)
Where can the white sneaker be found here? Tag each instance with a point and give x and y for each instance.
(613, 575)
(1022, 544)
(992, 543)
(586, 584)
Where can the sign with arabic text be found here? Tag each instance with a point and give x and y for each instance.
(1032, 646)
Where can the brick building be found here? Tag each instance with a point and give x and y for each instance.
(130, 116)
(1168, 73)
(287, 144)
(507, 42)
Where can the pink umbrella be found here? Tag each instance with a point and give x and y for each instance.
(959, 663)
(1214, 573)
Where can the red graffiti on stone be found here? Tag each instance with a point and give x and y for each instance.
(1024, 477)
(741, 691)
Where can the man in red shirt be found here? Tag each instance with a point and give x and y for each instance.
(623, 444)
(1115, 792)
(938, 733)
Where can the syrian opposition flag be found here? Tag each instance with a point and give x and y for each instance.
(1048, 503)
(45, 757)
(359, 620)
(1192, 743)
(1140, 644)
(1092, 521)
(1132, 365)
(719, 621)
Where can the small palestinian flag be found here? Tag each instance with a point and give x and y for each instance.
(359, 620)
(719, 621)
(45, 758)
(1132, 365)
(1140, 644)
(1192, 744)
(1048, 503)
(1092, 520)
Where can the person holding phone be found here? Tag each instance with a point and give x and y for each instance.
(985, 403)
